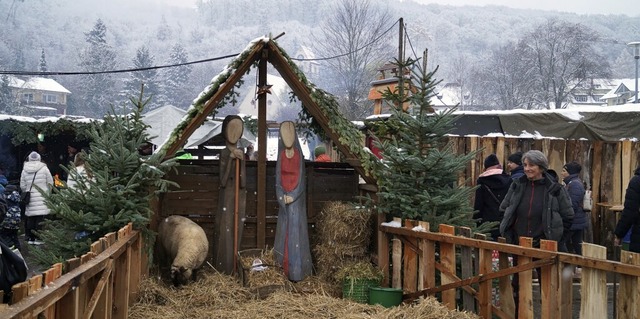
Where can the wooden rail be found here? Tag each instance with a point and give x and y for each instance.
(100, 284)
(471, 273)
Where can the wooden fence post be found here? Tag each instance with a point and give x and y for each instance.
(448, 262)
(383, 250)
(549, 284)
(484, 289)
(507, 305)
(629, 293)
(466, 267)
(410, 260)
(594, 285)
(396, 259)
(525, 293)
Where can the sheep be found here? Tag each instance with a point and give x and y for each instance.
(183, 243)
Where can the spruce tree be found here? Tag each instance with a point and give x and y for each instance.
(98, 56)
(42, 66)
(148, 78)
(174, 90)
(118, 190)
(419, 170)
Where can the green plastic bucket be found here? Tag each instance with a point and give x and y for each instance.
(357, 289)
(387, 297)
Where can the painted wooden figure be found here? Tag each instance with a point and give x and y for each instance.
(291, 245)
(232, 198)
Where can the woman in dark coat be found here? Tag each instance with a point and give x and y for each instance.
(291, 246)
(630, 217)
(536, 206)
(224, 248)
(493, 185)
(576, 191)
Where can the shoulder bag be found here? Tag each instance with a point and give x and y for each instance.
(25, 197)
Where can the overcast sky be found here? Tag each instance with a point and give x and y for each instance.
(628, 7)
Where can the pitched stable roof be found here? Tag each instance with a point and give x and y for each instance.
(320, 106)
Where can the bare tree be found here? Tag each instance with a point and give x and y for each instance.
(563, 56)
(353, 32)
(503, 82)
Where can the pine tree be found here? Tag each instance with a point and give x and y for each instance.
(132, 85)
(418, 173)
(174, 90)
(121, 184)
(6, 97)
(97, 89)
(42, 66)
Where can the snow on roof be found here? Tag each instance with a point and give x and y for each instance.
(617, 90)
(36, 83)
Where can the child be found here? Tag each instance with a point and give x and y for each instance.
(11, 220)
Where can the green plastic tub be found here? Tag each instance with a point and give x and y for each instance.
(387, 297)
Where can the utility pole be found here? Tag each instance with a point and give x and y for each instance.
(636, 56)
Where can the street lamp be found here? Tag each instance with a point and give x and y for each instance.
(636, 56)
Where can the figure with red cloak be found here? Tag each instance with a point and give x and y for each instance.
(291, 247)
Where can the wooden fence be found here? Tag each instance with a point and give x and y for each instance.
(100, 284)
(467, 272)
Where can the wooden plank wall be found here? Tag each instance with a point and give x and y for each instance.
(197, 197)
(606, 167)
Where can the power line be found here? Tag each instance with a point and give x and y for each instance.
(40, 73)
(33, 73)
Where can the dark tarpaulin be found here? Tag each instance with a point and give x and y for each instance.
(594, 126)
(476, 124)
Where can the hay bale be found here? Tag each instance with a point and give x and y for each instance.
(342, 223)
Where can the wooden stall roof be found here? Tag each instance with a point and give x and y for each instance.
(321, 106)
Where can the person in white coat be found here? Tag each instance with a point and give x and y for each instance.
(35, 177)
(79, 173)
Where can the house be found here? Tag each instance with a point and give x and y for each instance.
(624, 92)
(590, 92)
(43, 96)
(305, 60)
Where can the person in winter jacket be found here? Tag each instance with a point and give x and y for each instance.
(514, 163)
(575, 188)
(35, 178)
(493, 185)
(12, 217)
(629, 219)
(79, 173)
(535, 206)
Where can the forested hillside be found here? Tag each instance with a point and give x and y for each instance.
(456, 37)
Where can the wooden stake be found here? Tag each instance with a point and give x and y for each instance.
(235, 216)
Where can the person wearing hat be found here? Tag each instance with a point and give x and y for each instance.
(10, 224)
(514, 163)
(320, 154)
(536, 207)
(575, 188)
(35, 178)
(493, 185)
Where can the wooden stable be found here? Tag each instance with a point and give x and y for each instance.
(197, 197)
(100, 284)
(462, 268)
